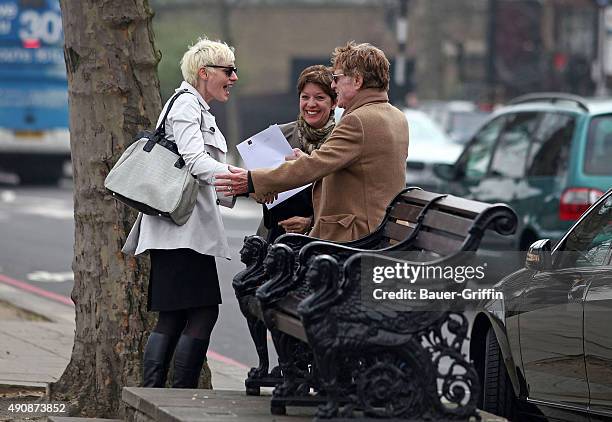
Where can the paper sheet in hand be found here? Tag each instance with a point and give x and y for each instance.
(267, 149)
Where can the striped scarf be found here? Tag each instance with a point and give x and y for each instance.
(311, 138)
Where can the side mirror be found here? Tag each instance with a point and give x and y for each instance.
(446, 172)
(538, 256)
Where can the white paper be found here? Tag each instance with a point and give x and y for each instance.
(268, 149)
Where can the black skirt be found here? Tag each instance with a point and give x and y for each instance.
(182, 279)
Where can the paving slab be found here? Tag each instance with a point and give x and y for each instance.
(34, 353)
(175, 405)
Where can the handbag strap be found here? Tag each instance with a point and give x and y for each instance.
(161, 130)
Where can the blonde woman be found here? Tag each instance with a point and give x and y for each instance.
(183, 283)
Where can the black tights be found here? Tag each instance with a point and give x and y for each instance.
(194, 322)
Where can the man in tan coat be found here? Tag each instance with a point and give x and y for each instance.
(360, 167)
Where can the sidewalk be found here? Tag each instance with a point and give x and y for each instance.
(36, 338)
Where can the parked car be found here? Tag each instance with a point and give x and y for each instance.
(546, 155)
(459, 119)
(545, 349)
(428, 145)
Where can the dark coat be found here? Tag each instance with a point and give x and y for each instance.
(299, 205)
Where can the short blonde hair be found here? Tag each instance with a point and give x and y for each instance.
(363, 59)
(204, 52)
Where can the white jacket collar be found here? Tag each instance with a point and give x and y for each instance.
(191, 88)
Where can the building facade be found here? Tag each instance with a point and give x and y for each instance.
(485, 51)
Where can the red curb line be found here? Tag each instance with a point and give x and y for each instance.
(38, 291)
(225, 359)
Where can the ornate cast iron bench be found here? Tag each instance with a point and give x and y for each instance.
(400, 220)
(380, 360)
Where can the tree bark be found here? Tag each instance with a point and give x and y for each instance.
(113, 93)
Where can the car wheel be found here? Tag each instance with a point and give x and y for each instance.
(498, 394)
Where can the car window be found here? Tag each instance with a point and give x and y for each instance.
(599, 146)
(475, 159)
(549, 155)
(589, 242)
(511, 150)
(422, 129)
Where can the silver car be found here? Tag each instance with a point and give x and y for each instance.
(428, 145)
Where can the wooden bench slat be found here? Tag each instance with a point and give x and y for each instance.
(406, 212)
(442, 245)
(447, 222)
(397, 231)
(452, 203)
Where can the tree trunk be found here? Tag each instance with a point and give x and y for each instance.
(113, 93)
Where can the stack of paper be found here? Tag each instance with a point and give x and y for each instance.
(268, 149)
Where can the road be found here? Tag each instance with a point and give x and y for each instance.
(36, 248)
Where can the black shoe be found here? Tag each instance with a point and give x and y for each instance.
(156, 359)
(189, 357)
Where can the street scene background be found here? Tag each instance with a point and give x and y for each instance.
(469, 54)
(453, 63)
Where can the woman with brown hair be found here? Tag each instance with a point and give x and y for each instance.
(313, 126)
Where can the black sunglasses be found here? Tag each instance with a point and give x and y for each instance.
(228, 70)
(336, 76)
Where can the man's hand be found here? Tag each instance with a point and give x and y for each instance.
(296, 224)
(235, 182)
(297, 153)
(264, 198)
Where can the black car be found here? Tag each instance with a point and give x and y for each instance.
(545, 349)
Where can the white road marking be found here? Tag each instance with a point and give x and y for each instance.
(47, 277)
(7, 196)
(50, 211)
(12, 203)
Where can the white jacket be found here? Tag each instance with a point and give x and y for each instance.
(202, 145)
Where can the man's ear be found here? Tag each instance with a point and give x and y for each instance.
(202, 73)
(358, 81)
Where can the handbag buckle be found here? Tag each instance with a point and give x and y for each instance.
(149, 145)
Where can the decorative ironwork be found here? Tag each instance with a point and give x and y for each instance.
(294, 356)
(245, 283)
(370, 357)
(396, 367)
(279, 266)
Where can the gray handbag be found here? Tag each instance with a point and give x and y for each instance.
(151, 176)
